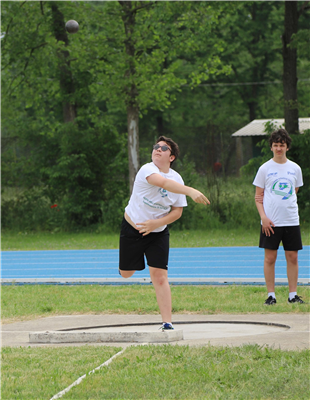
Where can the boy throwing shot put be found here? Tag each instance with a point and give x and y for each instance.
(277, 182)
(157, 200)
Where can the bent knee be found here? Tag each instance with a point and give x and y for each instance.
(126, 274)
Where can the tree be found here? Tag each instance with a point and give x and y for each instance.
(132, 105)
(248, 34)
(149, 69)
(66, 145)
(252, 32)
(69, 102)
(291, 16)
(65, 73)
(69, 85)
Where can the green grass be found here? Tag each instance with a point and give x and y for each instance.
(188, 238)
(169, 372)
(156, 372)
(36, 373)
(32, 301)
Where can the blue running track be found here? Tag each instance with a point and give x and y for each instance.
(208, 265)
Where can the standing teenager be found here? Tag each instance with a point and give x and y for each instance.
(278, 181)
(157, 200)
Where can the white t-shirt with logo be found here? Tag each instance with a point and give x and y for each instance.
(279, 182)
(152, 202)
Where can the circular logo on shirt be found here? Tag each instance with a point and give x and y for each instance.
(283, 187)
(163, 192)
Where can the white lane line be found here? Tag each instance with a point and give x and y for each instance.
(79, 380)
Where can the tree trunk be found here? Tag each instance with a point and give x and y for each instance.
(129, 20)
(66, 81)
(160, 124)
(290, 68)
(133, 143)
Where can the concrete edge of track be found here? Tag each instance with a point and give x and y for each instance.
(79, 336)
(131, 281)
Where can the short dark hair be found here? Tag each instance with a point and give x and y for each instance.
(280, 136)
(175, 151)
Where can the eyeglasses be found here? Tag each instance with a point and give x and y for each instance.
(163, 148)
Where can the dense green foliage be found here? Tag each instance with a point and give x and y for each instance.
(199, 72)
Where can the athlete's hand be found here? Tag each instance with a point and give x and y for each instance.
(267, 225)
(148, 226)
(198, 197)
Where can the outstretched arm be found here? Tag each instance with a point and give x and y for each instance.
(175, 187)
(267, 224)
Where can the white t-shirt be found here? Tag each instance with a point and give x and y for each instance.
(279, 182)
(152, 202)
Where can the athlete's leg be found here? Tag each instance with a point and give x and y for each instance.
(131, 252)
(161, 285)
(126, 274)
(292, 269)
(269, 269)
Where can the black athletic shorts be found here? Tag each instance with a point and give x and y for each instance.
(289, 235)
(133, 246)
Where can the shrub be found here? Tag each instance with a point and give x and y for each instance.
(232, 202)
(31, 210)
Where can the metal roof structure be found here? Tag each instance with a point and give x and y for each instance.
(257, 126)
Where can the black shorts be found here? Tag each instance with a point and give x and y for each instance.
(133, 246)
(289, 235)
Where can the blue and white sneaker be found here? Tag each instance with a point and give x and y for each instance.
(166, 326)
